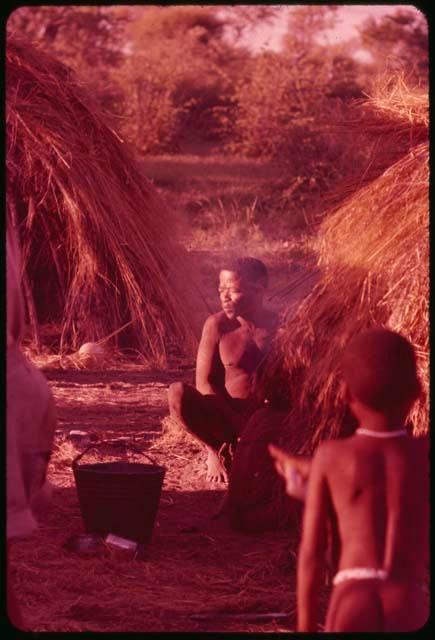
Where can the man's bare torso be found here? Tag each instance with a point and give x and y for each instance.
(241, 348)
(379, 490)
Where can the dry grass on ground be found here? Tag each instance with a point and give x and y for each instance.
(195, 565)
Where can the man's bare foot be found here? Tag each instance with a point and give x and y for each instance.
(216, 471)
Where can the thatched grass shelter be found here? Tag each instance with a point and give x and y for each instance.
(97, 240)
(373, 253)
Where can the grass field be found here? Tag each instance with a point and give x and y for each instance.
(223, 199)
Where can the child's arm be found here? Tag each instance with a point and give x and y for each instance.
(294, 469)
(312, 551)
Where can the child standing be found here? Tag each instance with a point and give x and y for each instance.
(374, 488)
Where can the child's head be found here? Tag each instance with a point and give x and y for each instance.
(380, 372)
(241, 285)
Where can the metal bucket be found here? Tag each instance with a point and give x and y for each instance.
(121, 498)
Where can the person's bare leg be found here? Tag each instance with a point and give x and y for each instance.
(355, 606)
(204, 422)
(13, 608)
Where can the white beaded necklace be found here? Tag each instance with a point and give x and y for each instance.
(380, 434)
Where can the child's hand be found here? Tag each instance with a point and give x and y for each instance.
(294, 469)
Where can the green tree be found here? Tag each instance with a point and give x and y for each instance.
(90, 36)
(241, 21)
(281, 94)
(182, 50)
(285, 104)
(345, 81)
(88, 39)
(305, 25)
(399, 42)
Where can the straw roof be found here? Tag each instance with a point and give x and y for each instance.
(395, 103)
(94, 233)
(387, 124)
(373, 253)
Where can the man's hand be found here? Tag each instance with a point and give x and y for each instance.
(294, 469)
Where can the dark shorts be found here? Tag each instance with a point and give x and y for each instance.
(245, 408)
(204, 417)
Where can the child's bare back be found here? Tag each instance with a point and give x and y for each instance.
(373, 489)
(375, 484)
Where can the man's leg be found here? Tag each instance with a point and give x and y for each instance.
(202, 417)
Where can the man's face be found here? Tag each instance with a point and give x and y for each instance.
(237, 296)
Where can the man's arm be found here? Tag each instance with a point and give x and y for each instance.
(206, 370)
(312, 551)
(205, 358)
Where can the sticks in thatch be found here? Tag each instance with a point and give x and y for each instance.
(393, 101)
(373, 252)
(111, 246)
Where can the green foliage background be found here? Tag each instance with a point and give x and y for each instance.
(175, 78)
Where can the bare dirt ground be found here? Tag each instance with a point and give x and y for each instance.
(195, 565)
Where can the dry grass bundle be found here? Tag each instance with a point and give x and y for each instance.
(394, 101)
(393, 110)
(374, 253)
(95, 235)
(387, 125)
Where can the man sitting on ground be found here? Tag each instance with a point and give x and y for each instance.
(375, 486)
(233, 343)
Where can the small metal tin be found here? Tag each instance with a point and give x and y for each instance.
(121, 543)
(123, 549)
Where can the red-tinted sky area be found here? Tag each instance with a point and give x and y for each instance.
(348, 19)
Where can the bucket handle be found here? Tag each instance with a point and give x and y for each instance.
(117, 443)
